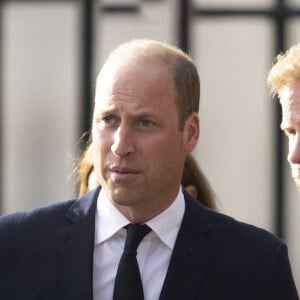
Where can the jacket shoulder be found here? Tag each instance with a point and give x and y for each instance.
(230, 231)
(41, 216)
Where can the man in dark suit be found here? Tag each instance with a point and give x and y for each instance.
(145, 123)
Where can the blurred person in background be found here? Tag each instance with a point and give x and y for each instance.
(284, 82)
(145, 123)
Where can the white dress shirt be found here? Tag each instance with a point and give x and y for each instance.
(153, 253)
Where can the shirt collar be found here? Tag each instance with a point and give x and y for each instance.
(108, 219)
(166, 225)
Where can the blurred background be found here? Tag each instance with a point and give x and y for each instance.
(51, 52)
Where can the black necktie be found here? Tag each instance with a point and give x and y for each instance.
(128, 283)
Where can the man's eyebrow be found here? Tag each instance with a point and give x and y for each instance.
(107, 109)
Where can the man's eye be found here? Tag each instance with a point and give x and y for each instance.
(108, 119)
(145, 123)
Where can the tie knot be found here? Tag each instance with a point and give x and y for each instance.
(135, 234)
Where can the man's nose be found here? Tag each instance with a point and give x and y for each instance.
(123, 143)
(294, 149)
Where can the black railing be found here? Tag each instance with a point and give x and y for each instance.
(87, 39)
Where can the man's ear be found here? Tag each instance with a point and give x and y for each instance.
(191, 132)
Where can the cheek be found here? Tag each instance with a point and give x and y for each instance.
(165, 154)
(99, 151)
(101, 141)
(160, 146)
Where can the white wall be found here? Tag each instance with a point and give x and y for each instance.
(40, 101)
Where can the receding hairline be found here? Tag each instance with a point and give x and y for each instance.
(133, 51)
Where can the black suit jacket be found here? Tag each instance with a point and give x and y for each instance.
(47, 254)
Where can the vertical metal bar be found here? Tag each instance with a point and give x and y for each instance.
(279, 163)
(1, 114)
(183, 25)
(86, 63)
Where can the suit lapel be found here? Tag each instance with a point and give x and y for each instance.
(75, 246)
(192, 254)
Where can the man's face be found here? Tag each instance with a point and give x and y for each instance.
(290, 103)
(139, 151)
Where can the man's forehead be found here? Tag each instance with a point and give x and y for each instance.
(290, 104)
(290, 97)
(290, 90)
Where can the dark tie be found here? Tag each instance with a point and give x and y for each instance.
(128, 283)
